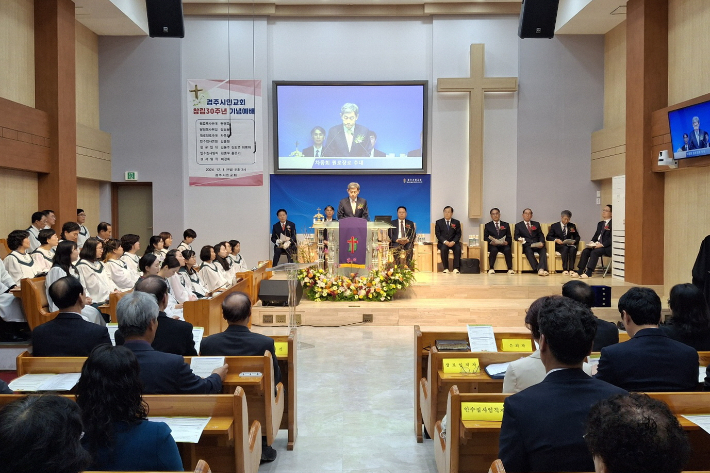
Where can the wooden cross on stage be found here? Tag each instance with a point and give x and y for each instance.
(476, 85)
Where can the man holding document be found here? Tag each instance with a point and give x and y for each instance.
(283, 236)
(564, 234)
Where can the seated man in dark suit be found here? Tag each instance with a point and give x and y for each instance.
(598, 247)
(315, 151)
(621, 427)
(374, 152)
(448, 237)
(238, 340)
(494, 231)
(650, 361)
(529, 233)
(559, 233)
(287, 228)
(161, 373)
(68, 334)
(353, 206)
(543, 424)
(607, 332)
(402, 237)
(173, 335)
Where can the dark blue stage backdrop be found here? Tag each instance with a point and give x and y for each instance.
(301, 196)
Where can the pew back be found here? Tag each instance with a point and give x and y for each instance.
(34, 302)
(207, 312)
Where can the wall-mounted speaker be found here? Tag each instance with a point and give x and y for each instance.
(165, 18)
(538, 18)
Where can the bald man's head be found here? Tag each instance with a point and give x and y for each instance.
(154, 285)
(66, 292)
(236, 307)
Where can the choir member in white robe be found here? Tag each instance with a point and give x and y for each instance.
(44, 255)
(149, 265)
(83, 231)
(211, 272)
(118, 270)
(97, 282)
(236, 258)
(131, 244)
(180, 285)
(221, 252)
(51, 219)
(168, 270)
(155, 246)
(10, 306)
(188, 236)
(190, 272)
(39, 221)
(70, 232)
(68, 253)
(19, 262)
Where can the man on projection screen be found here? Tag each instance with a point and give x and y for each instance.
(347, 139)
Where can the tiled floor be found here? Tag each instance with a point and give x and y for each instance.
(355, 404)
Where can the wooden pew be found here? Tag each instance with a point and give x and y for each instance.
(207, 312)
(471, 446)
(228, 443)
(34, 302)
(287, 365)
(266, 399)
(113, 299)
(4, 249)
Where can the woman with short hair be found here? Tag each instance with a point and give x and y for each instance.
(118, 270)
(97, 282)
(19, 262)
(44, 254)
(211, 272)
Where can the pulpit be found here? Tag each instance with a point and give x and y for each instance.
(377, 248)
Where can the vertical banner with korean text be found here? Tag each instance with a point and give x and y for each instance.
(223, 128)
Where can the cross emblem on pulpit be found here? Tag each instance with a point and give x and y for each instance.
(475, 86)
(352, 244)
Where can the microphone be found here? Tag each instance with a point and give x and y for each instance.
(329, 142)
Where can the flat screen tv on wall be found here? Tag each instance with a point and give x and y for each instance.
(350, 127)
(690, 131)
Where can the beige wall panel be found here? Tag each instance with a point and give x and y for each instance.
(93, 153)
(18, 194)
(687, 221)
(608, 167)
(615, 77)
(688, 40)
(87, 193)
(606, 193)
(87, 76)
(17, 70)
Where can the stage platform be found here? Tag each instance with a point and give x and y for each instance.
(438, 299)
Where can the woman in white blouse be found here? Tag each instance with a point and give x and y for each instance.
(212, 273)
(118, 270)
(131, 244)
(179, 284)
(191, 273)
(66, 254)
(44, 255)
(155, 246)
(97, 282)
(19, 262)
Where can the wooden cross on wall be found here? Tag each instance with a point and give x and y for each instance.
(476, 85)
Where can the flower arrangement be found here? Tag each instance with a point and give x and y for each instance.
(379, 285)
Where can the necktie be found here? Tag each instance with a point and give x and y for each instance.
(401, 228)
(448, 225)
(283, 227)
(528, 225)
(564, 230)
(497, 228)
(317, 153)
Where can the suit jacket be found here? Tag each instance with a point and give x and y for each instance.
(337, 146)
(238, 340)
(699, 341)
(607, 334)
(290, 231)
(528, 371)
(555, 232)
(378, 154)
(443, 233)
(489, 230)
(409, 229)
(650, 362)
(535, 234)
(695, 144)
(345, 210)
(605, 232)
(310, 152)
(165, 373)
(172, 336)
(68, 335)
(543, 425)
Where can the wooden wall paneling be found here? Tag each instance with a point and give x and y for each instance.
(608, 153)
(646, 91)
(93, 153)
(17, 74)
(87, 76)
(688, 33)
(88, 198)
(55, 93)
(615, 77)
(18, 194)
(606, 196)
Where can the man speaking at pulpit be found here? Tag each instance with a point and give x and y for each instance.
(353, 206)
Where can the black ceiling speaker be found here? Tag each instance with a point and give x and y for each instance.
(538, 18)
(165, 18)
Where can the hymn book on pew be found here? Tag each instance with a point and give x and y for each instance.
(197, 333)
(203, 366)
(184, 429)
(112, 328)
(45, 382)
(481, 338)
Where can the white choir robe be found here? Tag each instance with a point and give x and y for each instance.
(239, 263)
(83, 236)
(183, 246)
(121, 275)
(160, 254)
(131, 261)
(170, 310)
(195, 280)
(34, 238)
(213, 276)
(178, 289)
(43, 260)
(20, 266)
(88, 313)
(10, 306)
(98, 283)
